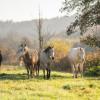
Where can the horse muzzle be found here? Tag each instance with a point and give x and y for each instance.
(52, 58)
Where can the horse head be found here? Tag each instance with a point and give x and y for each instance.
(23, 49)
(50, 51)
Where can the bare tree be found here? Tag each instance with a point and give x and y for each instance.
(40, 22)
(40, 37)
(26, 41)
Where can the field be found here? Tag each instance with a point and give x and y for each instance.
(14, 85)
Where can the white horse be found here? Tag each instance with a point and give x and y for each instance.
(46, 59)
(77, 59)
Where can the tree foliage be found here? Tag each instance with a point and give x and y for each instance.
(88, 14)
(92, 41)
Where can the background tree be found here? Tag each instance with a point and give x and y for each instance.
(39, 28)
(92, 41)
(88, 15)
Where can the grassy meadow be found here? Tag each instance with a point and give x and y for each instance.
(14, 85)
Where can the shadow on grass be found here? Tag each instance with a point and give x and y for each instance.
(60, 77)
(23, 76)
(53, 77)
(5, 76)
(92, 78)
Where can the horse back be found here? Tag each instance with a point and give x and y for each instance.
(77, 55)
(34, 56)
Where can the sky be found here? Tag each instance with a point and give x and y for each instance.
(21, 10)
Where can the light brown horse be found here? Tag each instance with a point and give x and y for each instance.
(30, 60)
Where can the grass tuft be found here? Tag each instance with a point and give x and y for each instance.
(67, 87)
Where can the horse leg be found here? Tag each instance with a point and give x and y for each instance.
(30, 68)
(0, 64)
(44, 72)
(76, 71)
(49, 73)
(81, 69)
(38, 66)
(48, 70)
(73, 70)
(38, 69)
(27, 71)
(31, 71)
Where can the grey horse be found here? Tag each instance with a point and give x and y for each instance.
(46, 60)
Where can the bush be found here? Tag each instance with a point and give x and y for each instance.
(93, 58)
(93, 71)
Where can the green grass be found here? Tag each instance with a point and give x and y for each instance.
(14, 85)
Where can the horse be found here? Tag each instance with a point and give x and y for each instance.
(46, 59)
(30, 59)
(77, 58)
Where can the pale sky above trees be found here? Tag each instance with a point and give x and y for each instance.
(19, 10)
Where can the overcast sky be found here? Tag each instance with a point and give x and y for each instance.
(19, 10)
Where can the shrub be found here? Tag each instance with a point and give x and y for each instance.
(93, 58)
(93, 71)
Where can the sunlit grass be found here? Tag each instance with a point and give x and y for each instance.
(14, 85)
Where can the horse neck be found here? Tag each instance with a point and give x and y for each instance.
(47, 55)
(81, 54)
(27, 56)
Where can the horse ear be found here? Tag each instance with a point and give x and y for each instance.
(52, 46)
(21, 45)
(80, 49)
(25, 45)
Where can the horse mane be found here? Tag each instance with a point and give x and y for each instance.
(47, 49)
